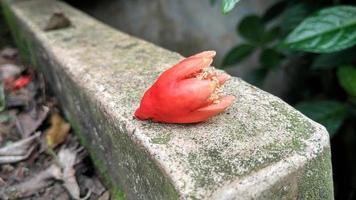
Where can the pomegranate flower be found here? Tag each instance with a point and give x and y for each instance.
(188, 92)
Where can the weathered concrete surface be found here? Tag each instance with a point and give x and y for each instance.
(187, 27)
(260, 149)
(183, 26)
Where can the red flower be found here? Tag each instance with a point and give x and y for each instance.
(188, 92)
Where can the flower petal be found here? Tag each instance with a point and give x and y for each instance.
(188, 66)
(187, 95)
(205, 112)
(223, 77)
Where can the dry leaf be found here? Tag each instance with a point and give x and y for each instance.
(20, 147)
(9, 71)
(33, 185)
(58, 131)
(9, 53)
(94, 185)
(28, 122)
(105, 196)
(2, 97)
(68, 158)
(19, 150)
(57, 21)
(63, 171)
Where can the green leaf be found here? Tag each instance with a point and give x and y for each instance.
(270, 35)
(270, 58)
(2, 97)
(292, 16)
(347, 79)
(238, 54)
(331, 60)
(252, 29)
(228, 5)
(329, 30)
(331, 114)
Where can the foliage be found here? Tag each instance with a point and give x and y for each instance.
(330, 113)
(328, 30)
(228, 5)
(347, 79)
(313, 43)
(258, 37)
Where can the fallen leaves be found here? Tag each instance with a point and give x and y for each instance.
(28, 122)
(9, 53)
(19, 150)
(8, 71)
(2, 97)
(39, 157)
(58, 131)
(57, 21)
(62, 170)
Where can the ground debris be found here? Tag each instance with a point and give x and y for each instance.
(19, 150)
(58, 131)
(57, 21)
(28, 122)
(9, 53)
(39, 157)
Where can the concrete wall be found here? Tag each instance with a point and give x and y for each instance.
(187, 27)
(184, 26)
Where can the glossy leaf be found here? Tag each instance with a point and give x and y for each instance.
(347, 79)
(270, 35)
(251, 28)
(228, 5)
(329, 30)
(331, 114)
(292, 16)
(237, 54)
(2, 97)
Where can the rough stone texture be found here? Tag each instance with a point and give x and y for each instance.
(187, 26)
(261, 148)
(184, 26)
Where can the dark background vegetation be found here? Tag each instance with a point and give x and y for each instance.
(314, 42)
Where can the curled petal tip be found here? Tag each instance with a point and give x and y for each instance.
(223, 77)
(205, 54)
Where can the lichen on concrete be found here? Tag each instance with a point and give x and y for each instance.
(260, 148)
(316, 174)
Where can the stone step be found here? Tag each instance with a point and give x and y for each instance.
(261, 148)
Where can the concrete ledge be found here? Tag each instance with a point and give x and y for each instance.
(260, 149)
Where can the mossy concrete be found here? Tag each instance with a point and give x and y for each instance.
(261, 148)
